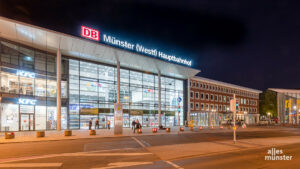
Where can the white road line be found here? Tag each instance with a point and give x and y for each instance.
(108, 154)
(69, 154)
(139, 142)
(30, 165)
(123, 164)
(174, 165)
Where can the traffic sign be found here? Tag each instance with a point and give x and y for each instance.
(179, 99)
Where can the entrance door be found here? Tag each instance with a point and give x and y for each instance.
(27, 122)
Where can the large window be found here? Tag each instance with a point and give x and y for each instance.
(90, 83)
(9, 117)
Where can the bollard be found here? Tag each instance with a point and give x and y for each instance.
(139, 131)
(40, 134)
(181, 128)
(68, 132)
(200, 128)
(211, 127)
(92, 132)
(10, 135)
(154, 130)
(168, 130)
(191, 128)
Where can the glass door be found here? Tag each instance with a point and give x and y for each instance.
(27, 117)
(27, 122)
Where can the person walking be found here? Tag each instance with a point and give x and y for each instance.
(138, 126)
(133, 124)
(96, 124)
(90, 124)
(108, 124)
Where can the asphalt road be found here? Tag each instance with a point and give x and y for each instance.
(131, 152)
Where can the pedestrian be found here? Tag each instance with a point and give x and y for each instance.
(96, 124)
(138, 126)
(108, 124)
(90, 124)
(133, 124)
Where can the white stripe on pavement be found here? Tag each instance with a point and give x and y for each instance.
(174, 165)
(108, 154)
(123, 164)
(69, 154)
(30, 165)
(139, 142)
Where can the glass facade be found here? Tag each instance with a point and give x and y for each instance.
(94, 86)
(289, 108)
(89, 91)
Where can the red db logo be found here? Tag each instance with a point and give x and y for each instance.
(89, 33)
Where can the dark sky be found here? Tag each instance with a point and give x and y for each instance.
(253, 43)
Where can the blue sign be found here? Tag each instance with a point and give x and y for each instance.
(26, 74)
(26, 101)
(179, 99)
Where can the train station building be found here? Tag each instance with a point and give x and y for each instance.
(51, 80)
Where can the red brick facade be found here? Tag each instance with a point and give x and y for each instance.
(212, 96)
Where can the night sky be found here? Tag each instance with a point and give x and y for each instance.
(252, 43)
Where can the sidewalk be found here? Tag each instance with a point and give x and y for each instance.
(30, 136)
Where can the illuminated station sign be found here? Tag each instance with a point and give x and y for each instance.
(111, 40)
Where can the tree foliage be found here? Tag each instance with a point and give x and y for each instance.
(268, 103)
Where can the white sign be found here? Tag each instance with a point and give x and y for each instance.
(26, 74)
(27, 101)
(142, 49)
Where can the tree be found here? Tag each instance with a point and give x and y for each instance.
(268, 103)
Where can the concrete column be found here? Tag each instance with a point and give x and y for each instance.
(118, 81)
(188, 100)
(159, 99)
(58, 92)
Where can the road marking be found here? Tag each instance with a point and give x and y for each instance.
(174, 165)
(69, 154)
(108, 154)
(139, 142)
(30, 165)
(123, 164)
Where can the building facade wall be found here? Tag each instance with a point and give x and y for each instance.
(88, 90)
(209, 103)
(288, 108)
